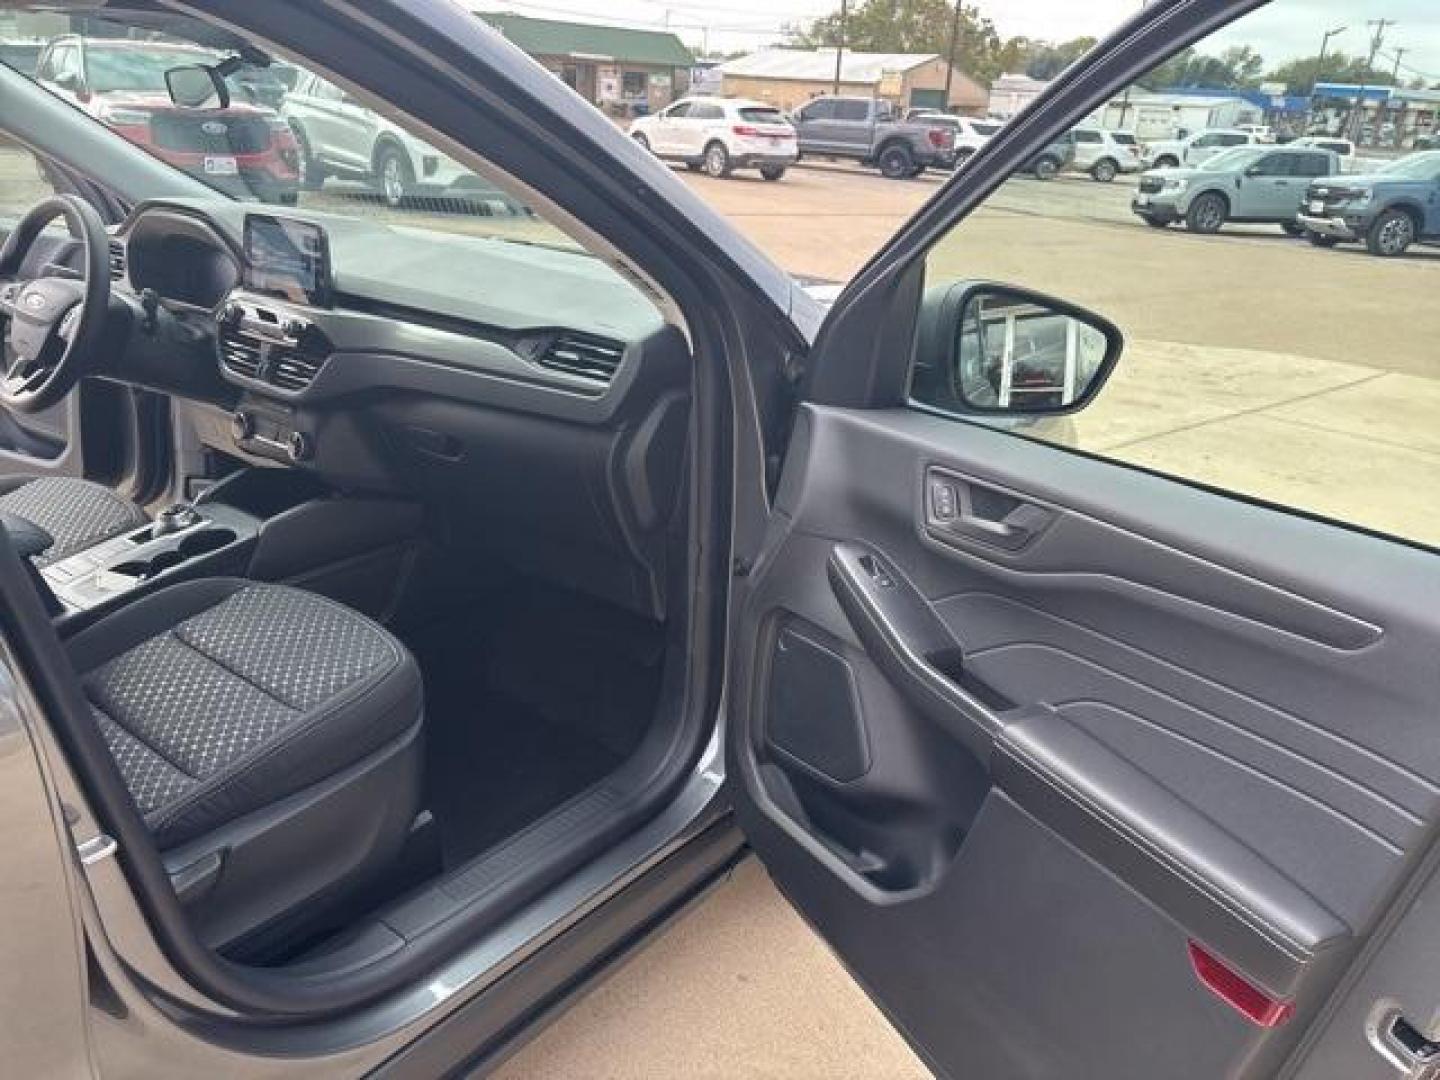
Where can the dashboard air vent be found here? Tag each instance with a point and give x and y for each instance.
(241, 354)
(590, 358)
(290, 370)
(117, 260)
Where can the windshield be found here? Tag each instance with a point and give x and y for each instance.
(134, 70)
(762, 116)
(1238, 158)
(271, 145)
(1414, 167)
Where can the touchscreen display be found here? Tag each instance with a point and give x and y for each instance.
(287, 258)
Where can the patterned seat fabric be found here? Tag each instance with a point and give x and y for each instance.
(78, 513)
(220, 697)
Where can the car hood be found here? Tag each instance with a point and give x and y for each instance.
(1361, 180)
(158, 101)
(1182, 172)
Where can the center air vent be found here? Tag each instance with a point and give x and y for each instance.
(590, 358)
(117, 260)
(241, 354)
(290, 370)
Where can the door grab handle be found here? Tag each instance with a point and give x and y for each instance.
(957, 508)
(903, 635)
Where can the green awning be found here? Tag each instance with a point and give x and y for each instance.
(548, 37)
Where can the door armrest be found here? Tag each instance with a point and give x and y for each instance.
(27, 538)
(1222, 892)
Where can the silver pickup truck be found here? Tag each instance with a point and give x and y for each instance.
(872, 132)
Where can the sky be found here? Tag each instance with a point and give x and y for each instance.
(1282, 30)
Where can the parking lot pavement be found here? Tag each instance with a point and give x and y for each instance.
(738, 989)
(1236, 340)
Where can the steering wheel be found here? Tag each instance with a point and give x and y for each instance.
(53, 324)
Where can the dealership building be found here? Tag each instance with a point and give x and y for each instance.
(787, 78)
(621, 70)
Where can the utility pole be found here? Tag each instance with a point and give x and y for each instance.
(840, 47)
(1384, 116)
(950, 57)
(1320, 67)
(1357, 120)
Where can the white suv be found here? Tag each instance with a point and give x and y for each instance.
(340, 137)
(720, 135)
(1195, 149)
(1105, 154)
(970, 134)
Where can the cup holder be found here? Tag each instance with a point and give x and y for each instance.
(190, 547)
(204, 542)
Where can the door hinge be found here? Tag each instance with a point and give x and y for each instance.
(1401, 1043)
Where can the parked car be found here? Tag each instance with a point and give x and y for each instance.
(970, 134)
(1105, 154)
(1054, 159)
(1263, 133)
(720, 135)
(1249, 184)
(868, 130)
(1387, 211)
(339, 137)
(122, 83)
(1194, 149)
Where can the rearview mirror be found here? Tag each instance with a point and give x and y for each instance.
(1018, 353)
(197, 86)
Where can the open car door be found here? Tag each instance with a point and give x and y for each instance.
(1083, 770)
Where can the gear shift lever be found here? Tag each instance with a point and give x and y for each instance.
(174, 518)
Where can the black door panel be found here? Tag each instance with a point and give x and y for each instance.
(1083, 717)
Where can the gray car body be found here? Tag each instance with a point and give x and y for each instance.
(867, 138)
(1273, 199)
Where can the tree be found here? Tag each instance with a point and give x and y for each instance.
(1300, 76)
(909, 26)
(1237, 68)
(1046, 60)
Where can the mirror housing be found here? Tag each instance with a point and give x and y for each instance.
(197, 86)
(1001, 351)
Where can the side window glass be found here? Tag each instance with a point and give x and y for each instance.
(819, 110)
(24, 180)
(1298, 366)
(850, 109)
(1087, 137)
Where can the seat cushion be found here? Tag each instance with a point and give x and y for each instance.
(78, 514)
(222, 696)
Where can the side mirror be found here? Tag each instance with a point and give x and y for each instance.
(197, 86)
(1013, 352)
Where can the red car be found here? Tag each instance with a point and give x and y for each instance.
(245, 149)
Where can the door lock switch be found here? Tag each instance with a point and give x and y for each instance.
(944, 501)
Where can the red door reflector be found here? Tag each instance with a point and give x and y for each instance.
(1236, 991)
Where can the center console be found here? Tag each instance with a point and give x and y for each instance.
(263, 524)
(210, 540)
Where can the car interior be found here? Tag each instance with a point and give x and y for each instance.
(394, 631)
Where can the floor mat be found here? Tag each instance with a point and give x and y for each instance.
(530, 697)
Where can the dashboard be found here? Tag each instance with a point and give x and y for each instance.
(523, 391)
